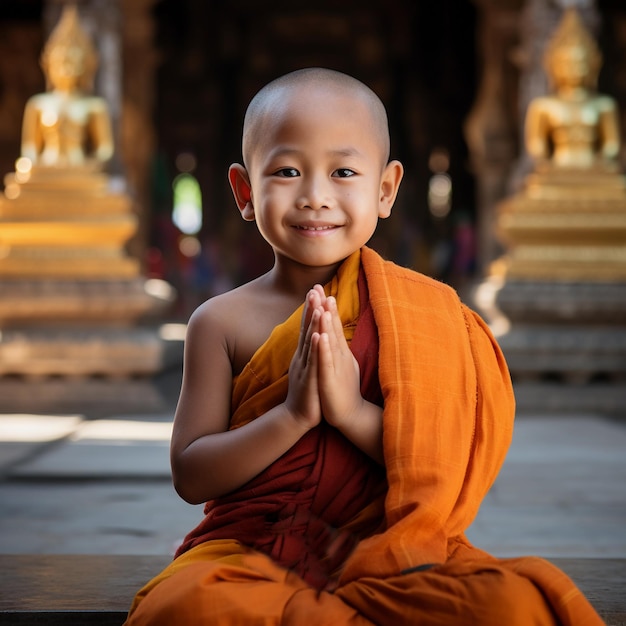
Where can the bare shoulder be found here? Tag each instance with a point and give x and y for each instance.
(221, 316)
(241, 319)
(229, 310)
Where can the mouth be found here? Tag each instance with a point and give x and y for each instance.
(311, 227)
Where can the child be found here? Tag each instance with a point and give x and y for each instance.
(341, 416)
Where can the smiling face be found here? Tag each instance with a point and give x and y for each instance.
(317, 180)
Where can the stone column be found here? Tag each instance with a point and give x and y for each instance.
(491, 127)
(137, 140)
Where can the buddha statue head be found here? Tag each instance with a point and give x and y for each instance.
(572, 58)
(69, 59)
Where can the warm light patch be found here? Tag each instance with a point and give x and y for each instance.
(125, 430)
(36, 428)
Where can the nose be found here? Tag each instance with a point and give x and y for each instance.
(314, 193)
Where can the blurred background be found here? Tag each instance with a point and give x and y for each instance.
(455, 75)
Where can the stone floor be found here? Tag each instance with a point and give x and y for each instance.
(82, 483)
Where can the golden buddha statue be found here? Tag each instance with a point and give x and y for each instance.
(67, 126)
(71, 293)
(60, 215)
(569, 220)
(575, 127)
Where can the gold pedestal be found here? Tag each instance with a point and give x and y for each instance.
(72, 301)
(565, 225)
(65, 223)
(562, 289)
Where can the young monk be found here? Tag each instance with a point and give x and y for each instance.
(341, 417)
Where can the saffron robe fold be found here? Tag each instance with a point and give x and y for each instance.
(342, 546)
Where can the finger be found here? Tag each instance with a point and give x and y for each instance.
(333, 326)
(311, 302)
(320, 292)
(300, 368)
(311, 369)
(313, 356)
(303, 324)
(328, 328)
(317, 296)
(325, 358)
(342, 344)
(331, 307)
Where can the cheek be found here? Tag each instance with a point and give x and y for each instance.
(275, 194)
(360, 197)
(272, 205)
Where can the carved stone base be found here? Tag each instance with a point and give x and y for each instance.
(574, 354)
(91, 397)
(563, 302)
(564, 342)
(38, 301)
(106, 352)
(552, 397)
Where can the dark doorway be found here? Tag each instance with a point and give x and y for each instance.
(420, 59)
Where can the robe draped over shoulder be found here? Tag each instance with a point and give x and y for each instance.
(336, 541)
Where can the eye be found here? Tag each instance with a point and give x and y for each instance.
(344, 172)
(287, 172)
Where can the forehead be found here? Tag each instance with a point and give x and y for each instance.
(315, 114)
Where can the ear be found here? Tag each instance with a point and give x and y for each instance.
(242, 190)
(389, 185)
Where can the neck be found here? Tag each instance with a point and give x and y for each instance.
(296, 279)
(573, 92)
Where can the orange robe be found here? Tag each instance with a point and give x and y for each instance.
(342, 544)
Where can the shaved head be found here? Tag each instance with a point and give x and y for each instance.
(269, 99)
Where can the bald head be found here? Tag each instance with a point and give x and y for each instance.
(271, 97)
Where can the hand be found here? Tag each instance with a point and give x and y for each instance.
(303, 399)
(338, 370)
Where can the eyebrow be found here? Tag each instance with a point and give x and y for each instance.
(339, 152)
(348, 152)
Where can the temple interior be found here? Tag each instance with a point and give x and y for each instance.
(178, 74)
(482, 202)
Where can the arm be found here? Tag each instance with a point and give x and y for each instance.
(100, 131)
(609, 129)
(207, 459)
(537, 130)
(31, 133)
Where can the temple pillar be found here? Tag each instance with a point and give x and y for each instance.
(137, 137)
(491, 129)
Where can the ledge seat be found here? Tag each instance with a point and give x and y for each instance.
(97, 590)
